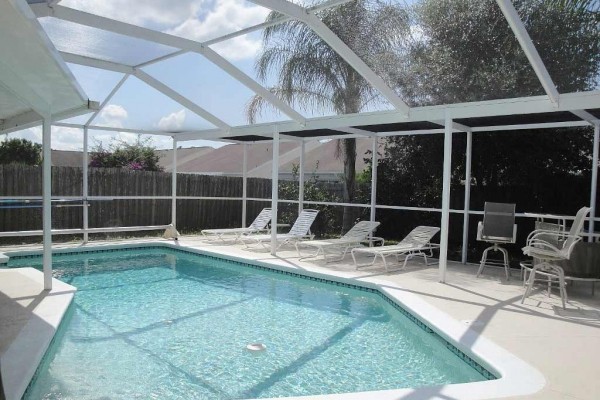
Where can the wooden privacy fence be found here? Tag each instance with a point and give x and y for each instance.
(192, 214)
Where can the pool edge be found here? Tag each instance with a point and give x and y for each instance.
(515, 376)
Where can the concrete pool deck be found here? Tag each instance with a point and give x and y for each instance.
(564, 345)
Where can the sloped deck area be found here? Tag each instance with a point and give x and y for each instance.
(564, 345)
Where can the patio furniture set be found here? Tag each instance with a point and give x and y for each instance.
(548, 246)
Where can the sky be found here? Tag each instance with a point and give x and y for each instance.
(137, 105)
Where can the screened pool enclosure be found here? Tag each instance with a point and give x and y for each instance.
(39, 38)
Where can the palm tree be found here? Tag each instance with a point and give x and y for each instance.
(313, 77)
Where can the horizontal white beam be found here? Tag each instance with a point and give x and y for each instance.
(107, 24)
(31, 118)
(547, 125)
(114, 129)
(77, 231)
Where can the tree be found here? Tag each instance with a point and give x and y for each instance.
(20, 151)
(465, 52)
(313, 77)
(137, 156)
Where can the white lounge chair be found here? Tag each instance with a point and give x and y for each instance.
(298, 231)
(416, 243)
(357, 234)
(259, 224)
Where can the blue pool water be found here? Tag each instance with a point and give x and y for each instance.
(164, 324)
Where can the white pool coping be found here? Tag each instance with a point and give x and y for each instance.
(21, 357)
(515, 376)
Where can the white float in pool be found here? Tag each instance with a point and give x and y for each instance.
(256, 347)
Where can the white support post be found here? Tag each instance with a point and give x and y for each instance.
(301, 176)
(445, 198)
(86, 223)
(47, 201)
(374, 179)
(244, 185)
(594, 189)
(274, 190)
(469, 157)
(174, 186)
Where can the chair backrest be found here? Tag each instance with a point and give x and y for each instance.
(575, 230)
(420, 236)
(261, 220)
(498, 222)
(361, 230)
(303, 222)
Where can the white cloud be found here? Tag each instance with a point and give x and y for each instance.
(148, 12)
(193, 19)
(173, 121)
(62, 138)
(226, 16)
(113, 115)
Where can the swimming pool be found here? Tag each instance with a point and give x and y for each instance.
(161, 323)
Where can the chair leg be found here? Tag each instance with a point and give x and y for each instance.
(506, 264)
(529, 284)
(483, 260)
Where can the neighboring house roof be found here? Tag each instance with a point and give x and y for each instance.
(65, 158)
(320, 158)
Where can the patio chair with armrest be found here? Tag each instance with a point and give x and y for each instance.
(498, 227)
(416, 244)
(353, 238)
(259, 224)
(549, 247)
(299, 231)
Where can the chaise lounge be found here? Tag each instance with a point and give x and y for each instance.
(416, 243)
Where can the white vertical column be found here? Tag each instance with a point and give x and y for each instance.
(301, 176)
(469, 157)
(86, 221)
(174, 186)
(47, 201)
(244, 185)
(274, 190)
(594, 188)
(445, 197)
(374, 178)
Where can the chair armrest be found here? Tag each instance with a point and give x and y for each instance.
(557, 234)
(479, 230)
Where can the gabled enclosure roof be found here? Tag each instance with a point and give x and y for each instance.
(34, 80)
(128, 49)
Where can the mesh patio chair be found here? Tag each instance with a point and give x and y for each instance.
(498, 227)
(549, 247)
